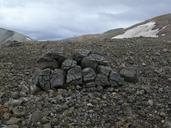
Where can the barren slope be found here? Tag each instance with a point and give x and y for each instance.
(145, 104)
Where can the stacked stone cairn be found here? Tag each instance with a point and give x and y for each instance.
(84, 68)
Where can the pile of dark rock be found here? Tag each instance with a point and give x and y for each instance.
(84, 68)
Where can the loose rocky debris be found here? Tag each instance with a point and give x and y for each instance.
(84, 68)
(145, 104)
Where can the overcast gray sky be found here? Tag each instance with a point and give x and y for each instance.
(58, 19)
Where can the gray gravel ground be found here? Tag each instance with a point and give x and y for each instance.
(145, 104)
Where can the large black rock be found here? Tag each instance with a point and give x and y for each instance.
(130, 74)
(74, 75)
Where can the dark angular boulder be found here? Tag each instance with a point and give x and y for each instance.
(44, 79)
(68, 64)
(35, 77)
(56, 55)
(47, 62)
(99, 59)
(90, 84)
(93, 60)
(115, 79)
(74, 75)
(79, 54)
(129, 74)
(88, 74)
(87, 62)
(102, 80)
(104, 70)
(57, 78)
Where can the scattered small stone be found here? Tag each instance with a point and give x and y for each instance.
(35, 117)
(150, 102)
(6, 116)
(90, 105)
(3, 110)
(143, 64)
(47, 125)
(19, 111)
(13, 120)
(169, 79)
(34, 89)
(165, 50)
(13, 126)
(13, 102)
(163, 121)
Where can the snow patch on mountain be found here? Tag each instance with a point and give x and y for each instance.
(144, 30)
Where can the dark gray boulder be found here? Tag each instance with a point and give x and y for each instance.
(74, 75)
(102, 80)
(115, 79)
(104, 70)
(88, 62)
(56, 55)
(35, 77)
(47, 62)
(129, 74)
(57, 78)
(35, 117)
(99, 59)
(68, 64)
(93, 60)
(44, 79)
(88, 75)
(90, 85)
(79, 54)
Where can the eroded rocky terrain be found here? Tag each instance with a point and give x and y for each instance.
(143, 102)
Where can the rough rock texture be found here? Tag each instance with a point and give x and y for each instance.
(44, 79)
(93, 60)
(86, 68)
(57, 78)
(129, 74)
(79, 54)
(47, 62)
(88, 75)
(74, 75)
(146, 104)
(68, 64)
(56, 55)
(104, 70)
(115, 79)
(102, 80)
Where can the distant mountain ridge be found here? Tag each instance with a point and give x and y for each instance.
(157, 27)
(8, 35)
